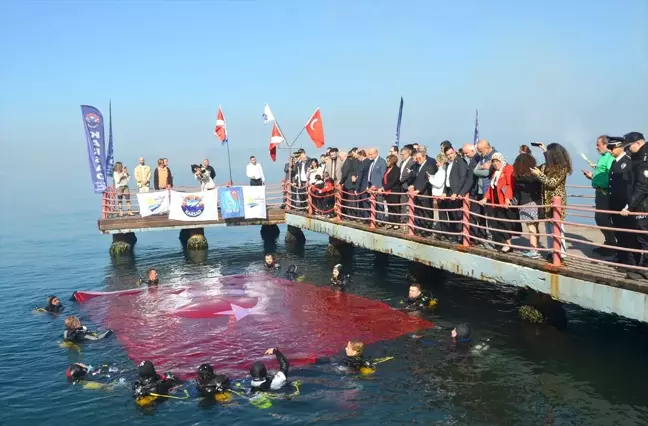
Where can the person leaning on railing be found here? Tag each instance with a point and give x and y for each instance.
(639, 199)
(500, 194)
(600, 178)
(553, 176)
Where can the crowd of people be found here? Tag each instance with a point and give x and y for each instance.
(149, 386)
(503, 195)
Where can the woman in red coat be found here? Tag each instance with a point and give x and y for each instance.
(500, 194)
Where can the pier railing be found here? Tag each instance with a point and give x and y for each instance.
(466, 221)
(113, 207)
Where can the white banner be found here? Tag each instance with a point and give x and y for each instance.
(151, 203)
(194, 206)
(255, 202)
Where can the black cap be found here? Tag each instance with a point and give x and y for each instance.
(146, 370)
(615, 142)
(258, 371)
(205, 372)
(633, 137)
(463, 331)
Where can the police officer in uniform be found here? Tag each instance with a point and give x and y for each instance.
(639, 199)
(621, 179)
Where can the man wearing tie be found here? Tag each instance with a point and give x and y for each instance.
(333, 165)
(421, 186)
(459, 179)
(301, 179)
(407, 176)
(377, 171)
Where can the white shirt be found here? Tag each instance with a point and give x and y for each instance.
(447, 177)
(405, 165)
(302, 172)
(371, 166)
(438, 182)
(255, 171)
(620, 156)
(312, 173)
(206, 182)
(121, 179)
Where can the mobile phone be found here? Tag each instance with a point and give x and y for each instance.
(535, 144)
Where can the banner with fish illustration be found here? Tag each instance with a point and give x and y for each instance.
(255, 202)
(231, 202)
(193, 206)
(94, 131)
(151, 203)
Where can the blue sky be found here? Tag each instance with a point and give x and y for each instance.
(555, 71)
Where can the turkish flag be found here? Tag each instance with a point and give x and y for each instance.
(221, 126)
(315, 129)
(275, 140)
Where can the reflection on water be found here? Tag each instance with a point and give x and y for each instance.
(582, 375)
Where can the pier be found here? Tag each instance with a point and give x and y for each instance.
(582, 277)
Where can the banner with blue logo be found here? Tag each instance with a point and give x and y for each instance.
(231, 203)
(94, 130)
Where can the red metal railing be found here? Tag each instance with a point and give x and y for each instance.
(371, 209)
(113, 207)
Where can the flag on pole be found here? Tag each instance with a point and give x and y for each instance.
(221, 126)
(267, 115)
(476, 127)
(398, 124)
(276, 139)
(315, 129)
(110, 156)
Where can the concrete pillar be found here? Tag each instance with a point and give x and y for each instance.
(295, 235)
(123, 244)
(337, 248)
(193, 239)
(269, 232)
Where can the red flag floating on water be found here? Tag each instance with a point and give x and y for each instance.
(315, 129)
(276, 139)
(221, 126)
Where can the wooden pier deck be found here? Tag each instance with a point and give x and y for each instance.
(123, 224)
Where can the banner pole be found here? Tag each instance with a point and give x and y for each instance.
(229, 163)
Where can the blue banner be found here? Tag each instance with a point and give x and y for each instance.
(231, 203)
(110, 156)
(400, 116)
(94, 130)
(476, 138)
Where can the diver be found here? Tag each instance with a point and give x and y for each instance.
(53, 306)
(353, 361)
(262, 381)
(151, 278)
(417, 300)
(214, 386)
(75, 332)
(102, 377)
(151, 385)
(292, 275)
(461, 333)
(270, 262)
(338, 278)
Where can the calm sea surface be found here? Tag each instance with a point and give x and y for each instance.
(593, 372)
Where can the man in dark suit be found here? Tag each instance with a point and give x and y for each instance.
(421, 186)
(459, 180)
(348, 181)
(301, 169)
(362, 184)
(377, 171)
(407, 176)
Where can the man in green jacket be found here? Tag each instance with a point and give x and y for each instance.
(600, 178)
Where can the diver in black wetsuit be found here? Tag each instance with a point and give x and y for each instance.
(151, 278)
(106, 376)
(75, 332)
(353, 360)
(417, 300)
(151, 384)
(53, 306)
(270, 263)
(262, 381)
(461, 333)
(339, 279)
(210, 384)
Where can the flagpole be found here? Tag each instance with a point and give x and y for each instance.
(229, 162)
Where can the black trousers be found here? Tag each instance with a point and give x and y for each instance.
(348, 202)
(626, 238)
(642, 239)
(256, 182)
(425, 217)
(476, 208)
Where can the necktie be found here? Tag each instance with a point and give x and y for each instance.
(333, 167)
